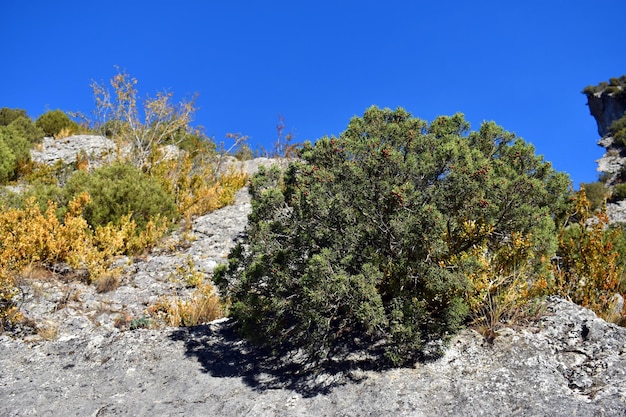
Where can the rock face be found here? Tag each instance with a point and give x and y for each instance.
(567, 363)
(97, 149)
(606, 108)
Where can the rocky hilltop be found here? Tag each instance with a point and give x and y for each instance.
(91, 362)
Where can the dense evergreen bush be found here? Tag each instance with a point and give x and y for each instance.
(7, 162)
(353, 244)
(54, 121)
(8, 115)
(27, 129)
(120, 189)
(15, 152)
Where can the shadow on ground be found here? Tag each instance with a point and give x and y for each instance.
(222, 353)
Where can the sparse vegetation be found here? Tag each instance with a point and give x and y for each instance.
(614, 86)
(67, 213)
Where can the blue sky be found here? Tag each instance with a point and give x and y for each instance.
(318, 63)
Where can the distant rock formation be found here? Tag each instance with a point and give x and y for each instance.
(607, 104)
(606, 107)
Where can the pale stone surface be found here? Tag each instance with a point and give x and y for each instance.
(98, 149)
(568, 363)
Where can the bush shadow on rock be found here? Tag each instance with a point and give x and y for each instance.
(224, 354)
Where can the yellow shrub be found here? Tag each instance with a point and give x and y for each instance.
(501, 282)
(589, 271)
(203, 306)
(29, 237)
(189, 274)
(196, 189)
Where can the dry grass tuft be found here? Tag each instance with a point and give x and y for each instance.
(48, 330)
(107, 283)
(203, 306)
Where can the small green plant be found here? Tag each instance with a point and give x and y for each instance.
(140, 323)
(188, 273)
(618, 131)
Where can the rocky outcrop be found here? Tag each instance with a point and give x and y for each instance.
(606, 107)
(97, 149)
(567, 363)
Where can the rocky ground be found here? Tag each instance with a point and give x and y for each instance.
(569, 363)
(84, 359)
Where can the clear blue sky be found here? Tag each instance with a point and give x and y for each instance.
(318, 63)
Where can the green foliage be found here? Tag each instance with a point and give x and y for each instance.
(614, 86)
(7, 162)
(54, 121)
(118, 190)
(597, 193)
(618, 240)
(359, 242)
(194, 143)
(27, 129)
(8, 115)
(140, 323)
(619, 192)
(15, 152)
(618, 131)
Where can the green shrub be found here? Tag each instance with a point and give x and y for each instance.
(618, 131)
(27, 129)
(360, 243)
(7, 162)
(193, 143)
(120, 189)
(8, 115)
(619, 192)
(243, 152)
(15, 152)
(54, 121)
(597, 193)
